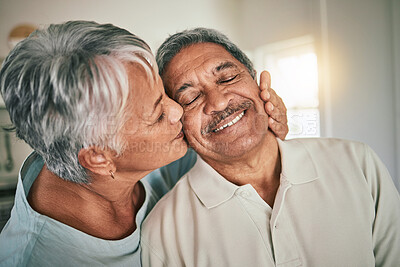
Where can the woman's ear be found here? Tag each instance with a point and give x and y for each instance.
(96, 160)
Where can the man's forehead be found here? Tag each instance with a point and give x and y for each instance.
(200, 54)
(204, 57)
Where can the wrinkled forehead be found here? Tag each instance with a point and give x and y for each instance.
(198, 55)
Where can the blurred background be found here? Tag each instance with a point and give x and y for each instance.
(335, 63)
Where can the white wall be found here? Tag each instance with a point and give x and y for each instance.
(268, 21)
(151, 20)
(361, 75)
(396, 78)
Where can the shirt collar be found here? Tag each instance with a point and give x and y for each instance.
(297, 164)
(213, 189)
(210, 187)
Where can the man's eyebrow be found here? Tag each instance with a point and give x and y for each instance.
(181, 89)
(156, 103)
(220, 67)
(225, 65)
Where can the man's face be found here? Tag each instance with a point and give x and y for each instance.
(224, 117)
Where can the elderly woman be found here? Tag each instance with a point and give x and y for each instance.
(88, 99)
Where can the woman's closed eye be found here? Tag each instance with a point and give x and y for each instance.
(161, 117)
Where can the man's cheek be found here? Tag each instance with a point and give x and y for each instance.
(189, 123)
(260, 124)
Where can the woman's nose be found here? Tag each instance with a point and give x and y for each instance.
(175, 112)
(216, 100)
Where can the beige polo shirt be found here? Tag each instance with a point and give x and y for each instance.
(336, 206)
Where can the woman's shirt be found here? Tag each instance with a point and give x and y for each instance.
(33, 239)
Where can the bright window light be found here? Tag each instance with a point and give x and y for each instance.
(297, 78)
(294, 71)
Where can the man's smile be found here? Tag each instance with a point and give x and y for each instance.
(232, 122)
(224, 119)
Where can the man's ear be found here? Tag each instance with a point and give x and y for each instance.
(96, 160)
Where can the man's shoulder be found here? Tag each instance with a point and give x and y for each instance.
(326, 153)
(330, 145)
(179, 195)
(346, 157)
(325, 141)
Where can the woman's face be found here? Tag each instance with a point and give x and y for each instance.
(153, 132)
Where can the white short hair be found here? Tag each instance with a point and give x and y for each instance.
(66, 88)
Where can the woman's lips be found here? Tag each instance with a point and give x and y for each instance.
(180, 135)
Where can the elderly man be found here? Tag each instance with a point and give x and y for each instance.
(253, 200)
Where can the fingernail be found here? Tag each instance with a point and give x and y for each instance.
(271, 107)
(268, 95)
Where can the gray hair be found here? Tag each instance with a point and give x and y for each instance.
(66, 88)
(176, 42)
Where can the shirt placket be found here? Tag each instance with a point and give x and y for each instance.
(260, 213)
(283, 240)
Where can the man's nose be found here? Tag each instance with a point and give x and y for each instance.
(175, 112)
(216, 100)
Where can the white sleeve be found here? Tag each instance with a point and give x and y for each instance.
(386, 226)
(149, 256)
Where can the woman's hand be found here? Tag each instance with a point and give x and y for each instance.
(274, 107)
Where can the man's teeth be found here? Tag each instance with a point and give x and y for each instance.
(235, 120)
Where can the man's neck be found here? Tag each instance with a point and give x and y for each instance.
(260, 167)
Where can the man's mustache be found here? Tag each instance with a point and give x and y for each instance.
(221, 115)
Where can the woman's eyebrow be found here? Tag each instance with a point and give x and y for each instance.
(156, 103)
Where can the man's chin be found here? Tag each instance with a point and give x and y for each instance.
(230, 151)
